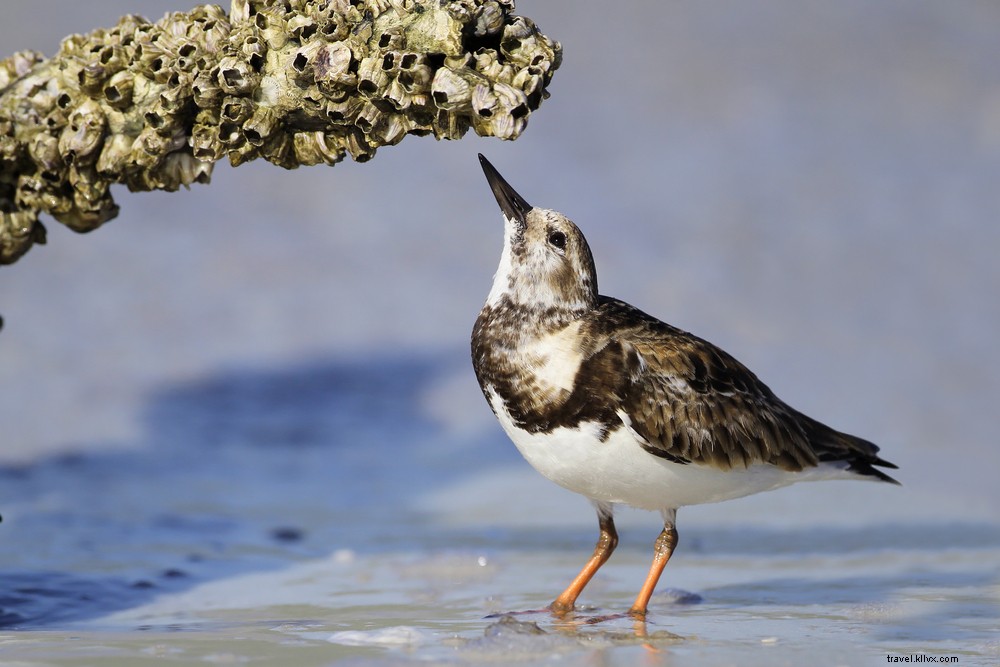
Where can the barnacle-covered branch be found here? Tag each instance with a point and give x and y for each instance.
(297, 82)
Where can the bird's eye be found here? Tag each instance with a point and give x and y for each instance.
(558, 239)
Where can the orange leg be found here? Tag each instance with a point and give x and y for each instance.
(606, 544)
(664, 547)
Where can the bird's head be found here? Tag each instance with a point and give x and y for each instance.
(546, 262)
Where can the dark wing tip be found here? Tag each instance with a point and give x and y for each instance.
(860, 455)
(882, 463)
(512, 204)
(864, 462)
(885, 464)
(868, 469)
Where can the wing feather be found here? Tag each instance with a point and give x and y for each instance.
(691, 402)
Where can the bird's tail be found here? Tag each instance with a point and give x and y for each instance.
(859, 455)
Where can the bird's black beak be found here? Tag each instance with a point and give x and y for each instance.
(511, 203)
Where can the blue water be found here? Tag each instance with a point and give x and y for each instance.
(239, 423)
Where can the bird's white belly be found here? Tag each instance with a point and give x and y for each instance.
(619, 470)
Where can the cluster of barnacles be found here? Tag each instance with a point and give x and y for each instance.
(296, 82)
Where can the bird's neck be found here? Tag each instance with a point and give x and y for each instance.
(509, 324)
(513, 355)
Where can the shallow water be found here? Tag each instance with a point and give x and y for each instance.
(239, 423)
(250, 525)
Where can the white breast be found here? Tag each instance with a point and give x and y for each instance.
(619, 470)
(554, 359)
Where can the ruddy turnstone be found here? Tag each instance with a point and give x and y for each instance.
(612, 403)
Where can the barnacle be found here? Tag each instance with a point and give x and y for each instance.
(18, 231)
(316, 148)
(296, 82)
(118, 90)
(331, 69)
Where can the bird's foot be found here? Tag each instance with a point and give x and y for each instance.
(594, 620)
(637, 614)
(523, 612)
(561, 609)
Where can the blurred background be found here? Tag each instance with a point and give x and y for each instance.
(275, 367)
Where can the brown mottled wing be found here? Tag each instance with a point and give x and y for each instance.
(691, 402)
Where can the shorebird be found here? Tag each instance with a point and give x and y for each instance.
(620, 407)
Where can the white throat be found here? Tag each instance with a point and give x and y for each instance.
(501, 279)
(526, 277)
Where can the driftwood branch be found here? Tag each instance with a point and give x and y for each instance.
(297, 82)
